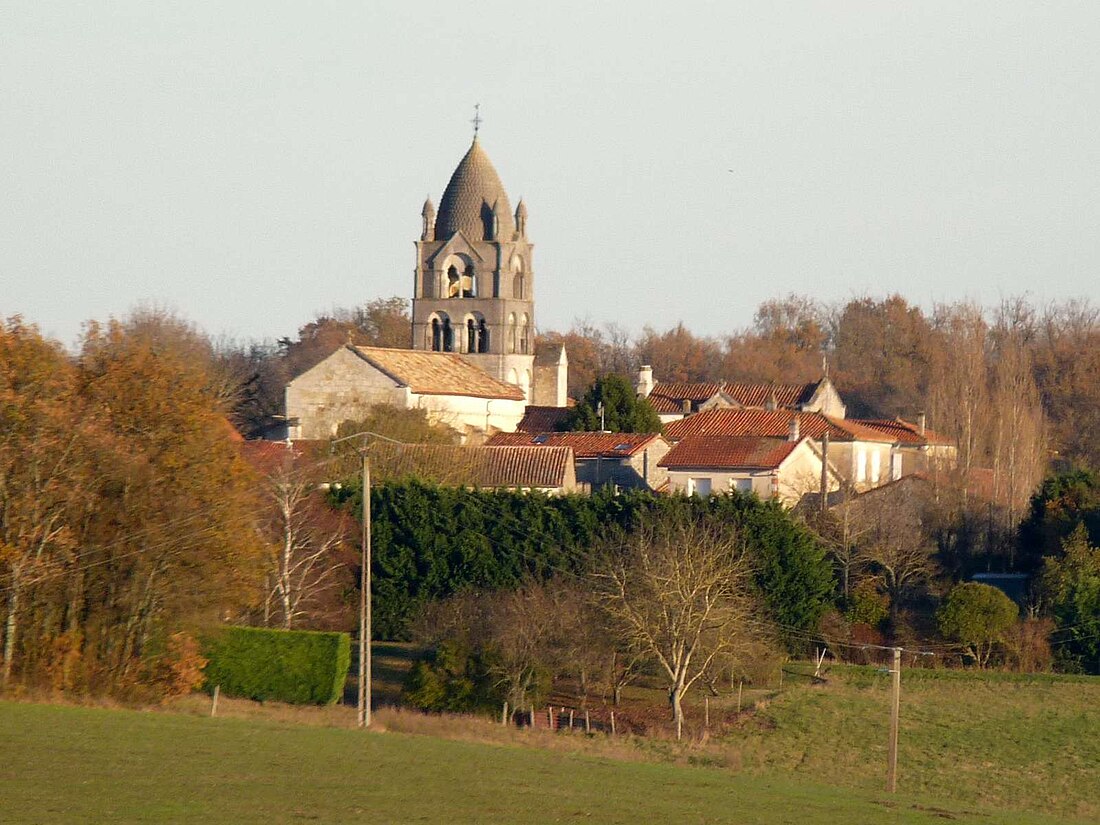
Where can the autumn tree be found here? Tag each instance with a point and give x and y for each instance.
(43, 473)
(678, 593)
(882, 354)
(593, 350)
(677, 354)
(785, 344)
(172, 536)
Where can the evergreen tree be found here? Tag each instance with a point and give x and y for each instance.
(622, 410)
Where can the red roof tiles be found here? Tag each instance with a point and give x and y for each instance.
(717, 452)
(583, 444)
(904, 432)
(541, 419)
(770, 424)
(488, 466)
(669, 397)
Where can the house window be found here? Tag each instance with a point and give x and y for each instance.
(699, 487)
(741, 485)
(895, 466)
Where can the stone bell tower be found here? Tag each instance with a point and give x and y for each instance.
(474, 281)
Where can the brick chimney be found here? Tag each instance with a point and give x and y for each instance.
(922, 419)
(645, 381)
(794, 432)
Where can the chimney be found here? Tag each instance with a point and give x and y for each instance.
(685, 406)
(922, 419)
(645, 381)
(794, 433)
(771, 403)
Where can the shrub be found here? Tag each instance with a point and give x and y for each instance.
(450, 678)
(296, 666)
(977, 616)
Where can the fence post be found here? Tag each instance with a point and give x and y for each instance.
(504, 714)
(570, 720)
(214, 703)
(587, 722)
(740, 685)
(550, 716)
(706, 713)
(612, 723)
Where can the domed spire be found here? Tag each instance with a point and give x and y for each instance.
(521, 219)
(468, 201)
(428, 214)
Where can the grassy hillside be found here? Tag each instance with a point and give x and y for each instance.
(995, 740)
(65, 764)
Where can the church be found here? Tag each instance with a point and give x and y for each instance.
(473, 365)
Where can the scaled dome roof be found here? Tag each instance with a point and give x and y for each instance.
(468, 200)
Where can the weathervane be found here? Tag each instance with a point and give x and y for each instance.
(477, 118)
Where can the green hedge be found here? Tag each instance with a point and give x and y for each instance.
(296, 666)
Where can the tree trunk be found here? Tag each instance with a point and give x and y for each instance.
(10, 629)
(676, 698)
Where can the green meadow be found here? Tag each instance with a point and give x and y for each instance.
(975, 749)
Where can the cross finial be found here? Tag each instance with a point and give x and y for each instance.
(477, 118)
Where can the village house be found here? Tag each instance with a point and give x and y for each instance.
(625, 460)
(772, 468)
(676, 400)
(922, 450)
(863, 457)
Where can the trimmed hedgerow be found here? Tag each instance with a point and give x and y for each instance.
(295, 666)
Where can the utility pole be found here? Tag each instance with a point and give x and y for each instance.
(364, 702)
(365, 603)
(895, 713)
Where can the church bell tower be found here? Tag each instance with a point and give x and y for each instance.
(474, 281)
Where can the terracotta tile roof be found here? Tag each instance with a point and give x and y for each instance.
(541, 419)
(685, 390)
(269, 456)
(436, 373)
(747, 395)
(583, 444)
(664, 405)
(904, 432)
(491, 467)
(719, 452)
(758, 395)
(770, 424)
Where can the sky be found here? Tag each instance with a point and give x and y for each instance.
(250, 164)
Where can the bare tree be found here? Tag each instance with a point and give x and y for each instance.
(678, 594)
(305, 535)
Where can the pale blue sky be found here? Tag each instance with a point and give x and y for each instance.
(249, 164)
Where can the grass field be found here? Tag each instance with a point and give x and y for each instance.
(68, 764)
(975, 747)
